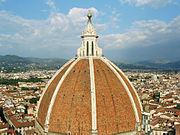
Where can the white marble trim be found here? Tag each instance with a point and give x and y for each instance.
(49, 82)
(56, 91)
(129, 83)
(125, 86)
(93, 97)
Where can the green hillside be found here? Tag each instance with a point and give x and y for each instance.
(13, 63)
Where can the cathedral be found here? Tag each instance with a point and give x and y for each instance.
(89, 95)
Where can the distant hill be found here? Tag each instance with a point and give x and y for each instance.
(56, 62)
(13, 59)
(162, 64)
(13, 63)
(133, 66)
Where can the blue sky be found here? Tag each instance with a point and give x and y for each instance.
(129, 30)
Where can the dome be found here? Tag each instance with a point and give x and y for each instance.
(89, 95)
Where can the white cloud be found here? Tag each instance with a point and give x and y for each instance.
(114, 19)
(80, 14)
(57, 31)
(145, 33)
(57, 35)
(2, 1)
(152, 3)
(51, 4)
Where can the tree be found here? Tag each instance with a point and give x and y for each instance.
(2, 115)
(177, 107)
(24, 88)
(156, 96)
(33, 100)
(26, 107)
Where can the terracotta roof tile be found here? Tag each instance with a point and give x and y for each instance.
(114, 110)
(132, 92)
(43, 108)
(74, 102)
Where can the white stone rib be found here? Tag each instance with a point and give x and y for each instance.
(125, 86)
(93, 97)
(129, 83)
(56, 91)
(49, 82)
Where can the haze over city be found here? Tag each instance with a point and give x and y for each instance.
(129, 30)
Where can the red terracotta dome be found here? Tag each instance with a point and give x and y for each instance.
(89, 95)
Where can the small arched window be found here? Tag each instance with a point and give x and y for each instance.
(87, 48)
(92, 49)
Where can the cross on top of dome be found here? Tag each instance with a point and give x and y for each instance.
(89, 15)
(89, 29)
(89, 46)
